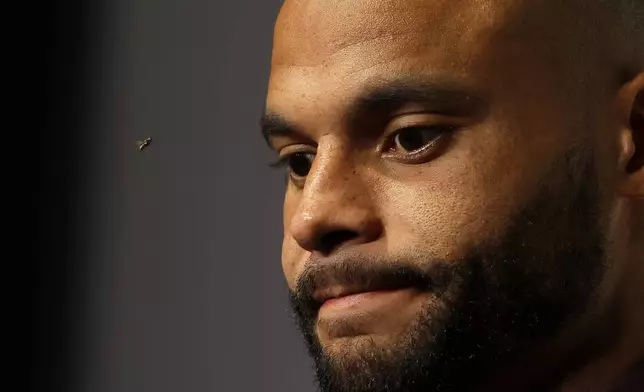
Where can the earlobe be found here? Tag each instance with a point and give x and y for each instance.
(632, 140)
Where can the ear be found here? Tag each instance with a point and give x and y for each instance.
(631, 111)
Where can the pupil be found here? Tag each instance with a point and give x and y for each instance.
(412, 139)
(300, 164)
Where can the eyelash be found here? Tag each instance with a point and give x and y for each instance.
(280, 163)
(283, 162)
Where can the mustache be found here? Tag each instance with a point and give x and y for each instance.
(354, 273)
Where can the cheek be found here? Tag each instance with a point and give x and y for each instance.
(292, 253)
(462, 201)
(443, 222)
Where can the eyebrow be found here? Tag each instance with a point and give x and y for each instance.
(383, 98)
(273, 124)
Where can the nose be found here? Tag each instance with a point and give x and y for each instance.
(335, 210)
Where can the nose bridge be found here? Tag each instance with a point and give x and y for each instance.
(333, 178)
(334, 185)
(336, 199)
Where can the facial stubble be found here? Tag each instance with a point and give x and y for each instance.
(487, 309)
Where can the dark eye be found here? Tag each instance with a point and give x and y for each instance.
(300, 163)
(412, 139)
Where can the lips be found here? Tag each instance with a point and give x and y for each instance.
(328, 293)
(349, 273)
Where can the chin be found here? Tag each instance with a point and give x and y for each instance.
(355, 347)
(359, 342)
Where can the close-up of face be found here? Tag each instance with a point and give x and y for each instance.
(460, 196)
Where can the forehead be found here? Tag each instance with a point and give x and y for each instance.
(314, 32)
(325, 52)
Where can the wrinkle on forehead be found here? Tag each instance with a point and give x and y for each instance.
(314, 33)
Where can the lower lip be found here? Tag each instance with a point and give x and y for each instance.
(361, 299)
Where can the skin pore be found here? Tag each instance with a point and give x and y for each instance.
(474, 165)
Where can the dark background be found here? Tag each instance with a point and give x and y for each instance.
(159, 270)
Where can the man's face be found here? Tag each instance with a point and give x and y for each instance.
(441, 164)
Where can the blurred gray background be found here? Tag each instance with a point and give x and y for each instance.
(185, 285)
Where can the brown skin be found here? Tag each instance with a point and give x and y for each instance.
(529, 79)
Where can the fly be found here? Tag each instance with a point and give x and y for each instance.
(144, 143)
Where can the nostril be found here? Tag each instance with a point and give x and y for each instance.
(332, 240)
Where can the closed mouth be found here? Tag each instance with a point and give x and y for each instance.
(335, 292)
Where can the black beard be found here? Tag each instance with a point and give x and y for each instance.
(495, 304)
